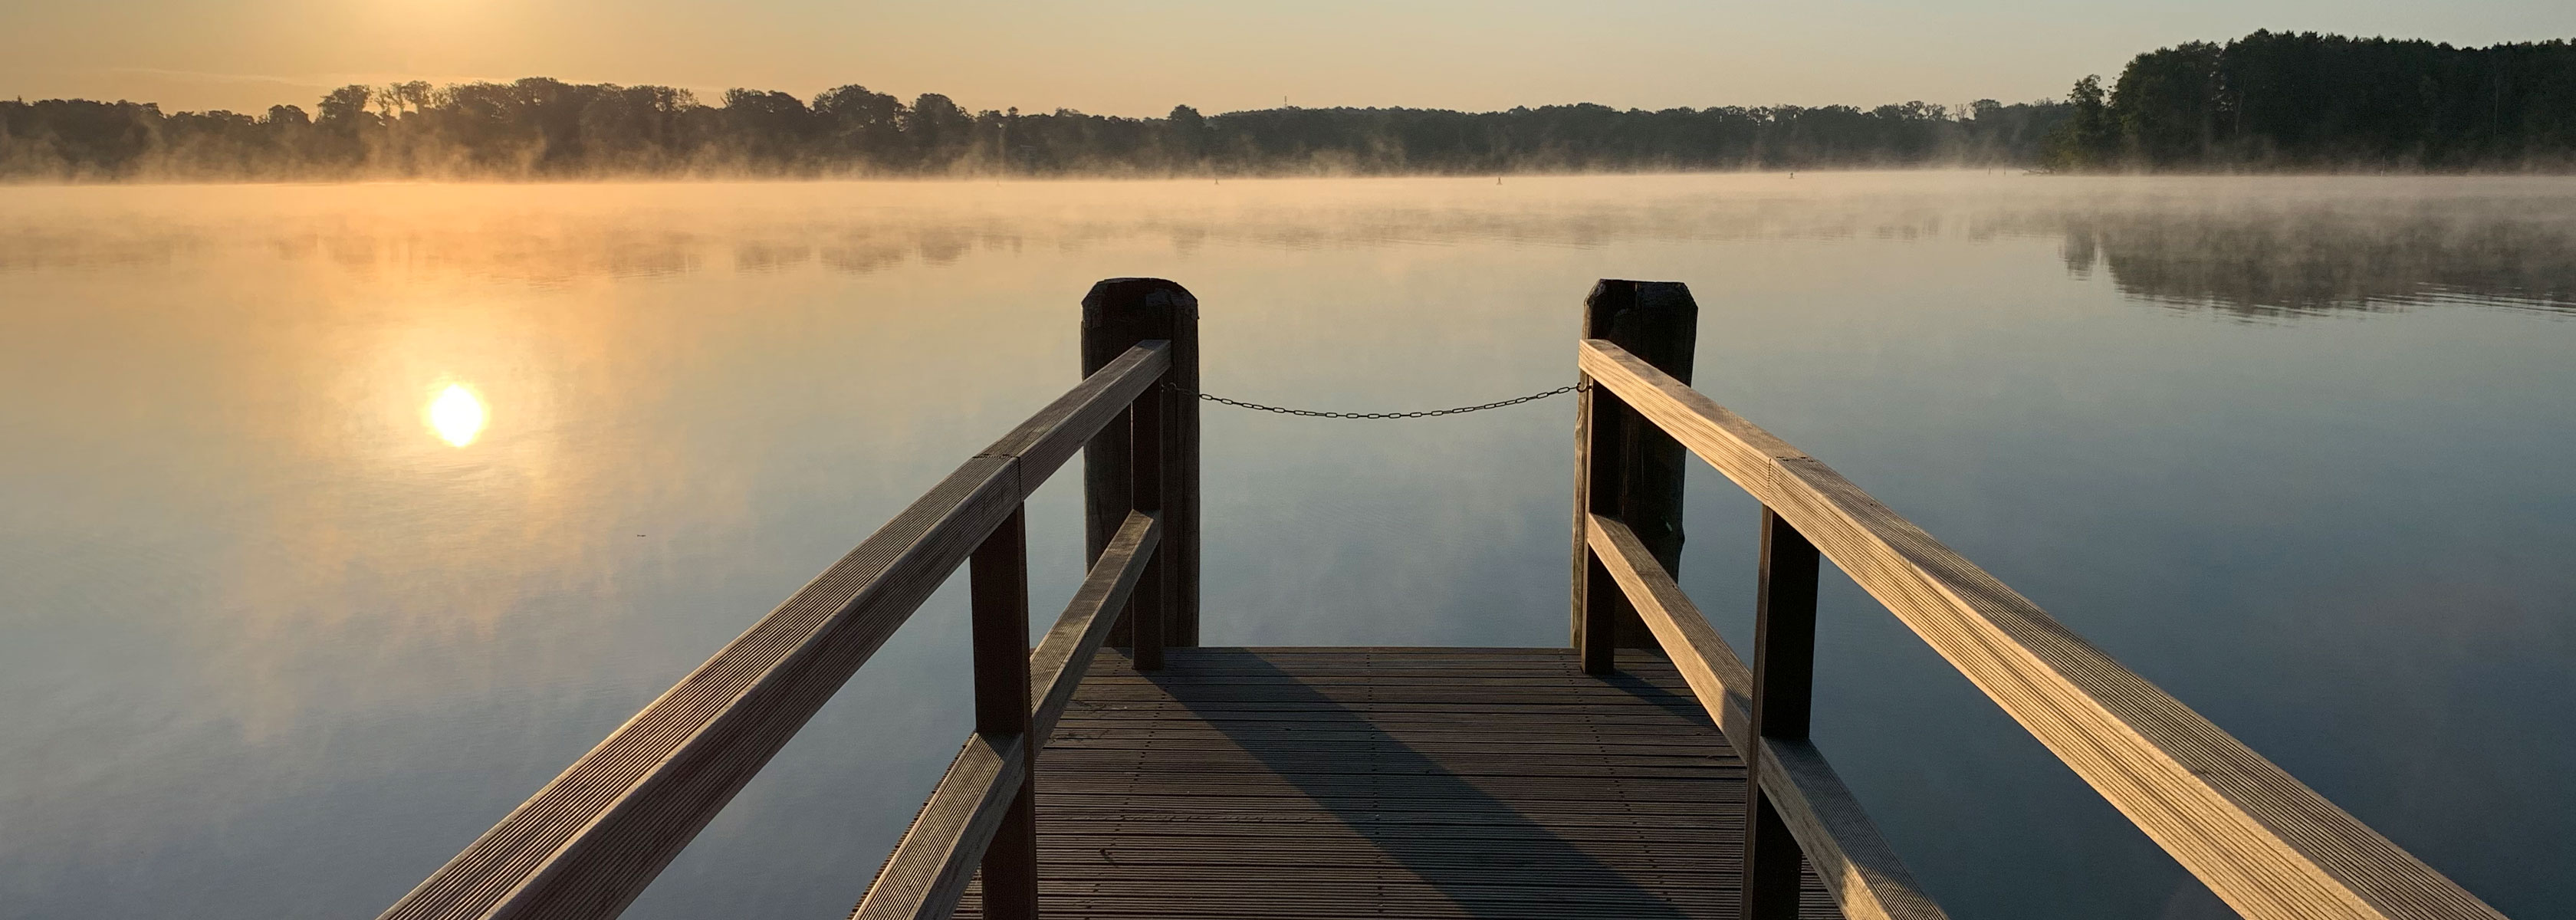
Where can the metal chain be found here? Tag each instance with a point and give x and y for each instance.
(1427, 413)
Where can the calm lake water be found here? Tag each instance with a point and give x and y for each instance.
(335, 520)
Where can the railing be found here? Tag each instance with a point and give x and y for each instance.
(588, 843)
(2262, 841)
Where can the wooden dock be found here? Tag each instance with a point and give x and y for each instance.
(1388, 782)
(1645, 770)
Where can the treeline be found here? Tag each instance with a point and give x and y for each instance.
(2309, 101)
(2265, 101)
(543, 128)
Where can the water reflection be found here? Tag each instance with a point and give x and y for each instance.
(2256, 248)
(457, 415)
(2285, 263)
(258, 609)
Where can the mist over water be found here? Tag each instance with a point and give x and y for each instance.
(2257, 246)
(339, 518)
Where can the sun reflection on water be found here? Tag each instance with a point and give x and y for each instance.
(457, 415)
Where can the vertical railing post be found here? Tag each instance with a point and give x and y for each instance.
(1117, 314)
(1784, 668)
(1598, 600)
(1149, 608)
(998, 585)
(1625, 467)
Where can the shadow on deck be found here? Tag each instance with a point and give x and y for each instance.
(1478, 783)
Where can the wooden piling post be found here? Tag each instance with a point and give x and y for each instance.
(1624, 467)
(1117, 314)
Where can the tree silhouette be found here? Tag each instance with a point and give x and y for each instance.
(2276, 100)
(2265, 101)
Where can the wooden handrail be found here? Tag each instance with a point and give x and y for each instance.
(928, 871)
(1858, 866)
(1065, 654)
(1052, 436)
(2262, 841)
(587, 844)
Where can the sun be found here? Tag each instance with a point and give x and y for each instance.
(457, 415)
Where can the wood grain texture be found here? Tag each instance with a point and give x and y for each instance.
(998, 599)
(1599, 418)
(1147, 449)
(930, 867)
(998, 595)
(1623, 468)
(1117, 314)
(2262, 841)
(1065, 655)
(588, 843)
(1784, 665)
(1842, 845)
(1265, 784)
(1055, 433)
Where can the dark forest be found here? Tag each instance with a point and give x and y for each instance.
(542, 128)
(2309, 101)
(2266, 101)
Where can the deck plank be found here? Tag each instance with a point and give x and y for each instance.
(1388, 783)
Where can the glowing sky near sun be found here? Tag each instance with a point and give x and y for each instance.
(1139, 57)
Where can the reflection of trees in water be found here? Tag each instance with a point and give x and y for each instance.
(2283, 263)
(549, 248)
(2284, 247)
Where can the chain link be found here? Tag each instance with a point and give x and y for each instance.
(1427, 413)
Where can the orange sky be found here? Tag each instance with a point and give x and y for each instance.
(1140, 57)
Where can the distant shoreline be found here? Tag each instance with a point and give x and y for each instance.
(538, 128)
(2266, 103)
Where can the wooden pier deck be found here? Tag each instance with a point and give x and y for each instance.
(1115, 769)
(1390, 783)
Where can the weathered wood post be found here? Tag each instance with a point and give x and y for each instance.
(1784, 668)
(1625, 467)
(998, 588)
(1149, 609)
(1117, 314)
